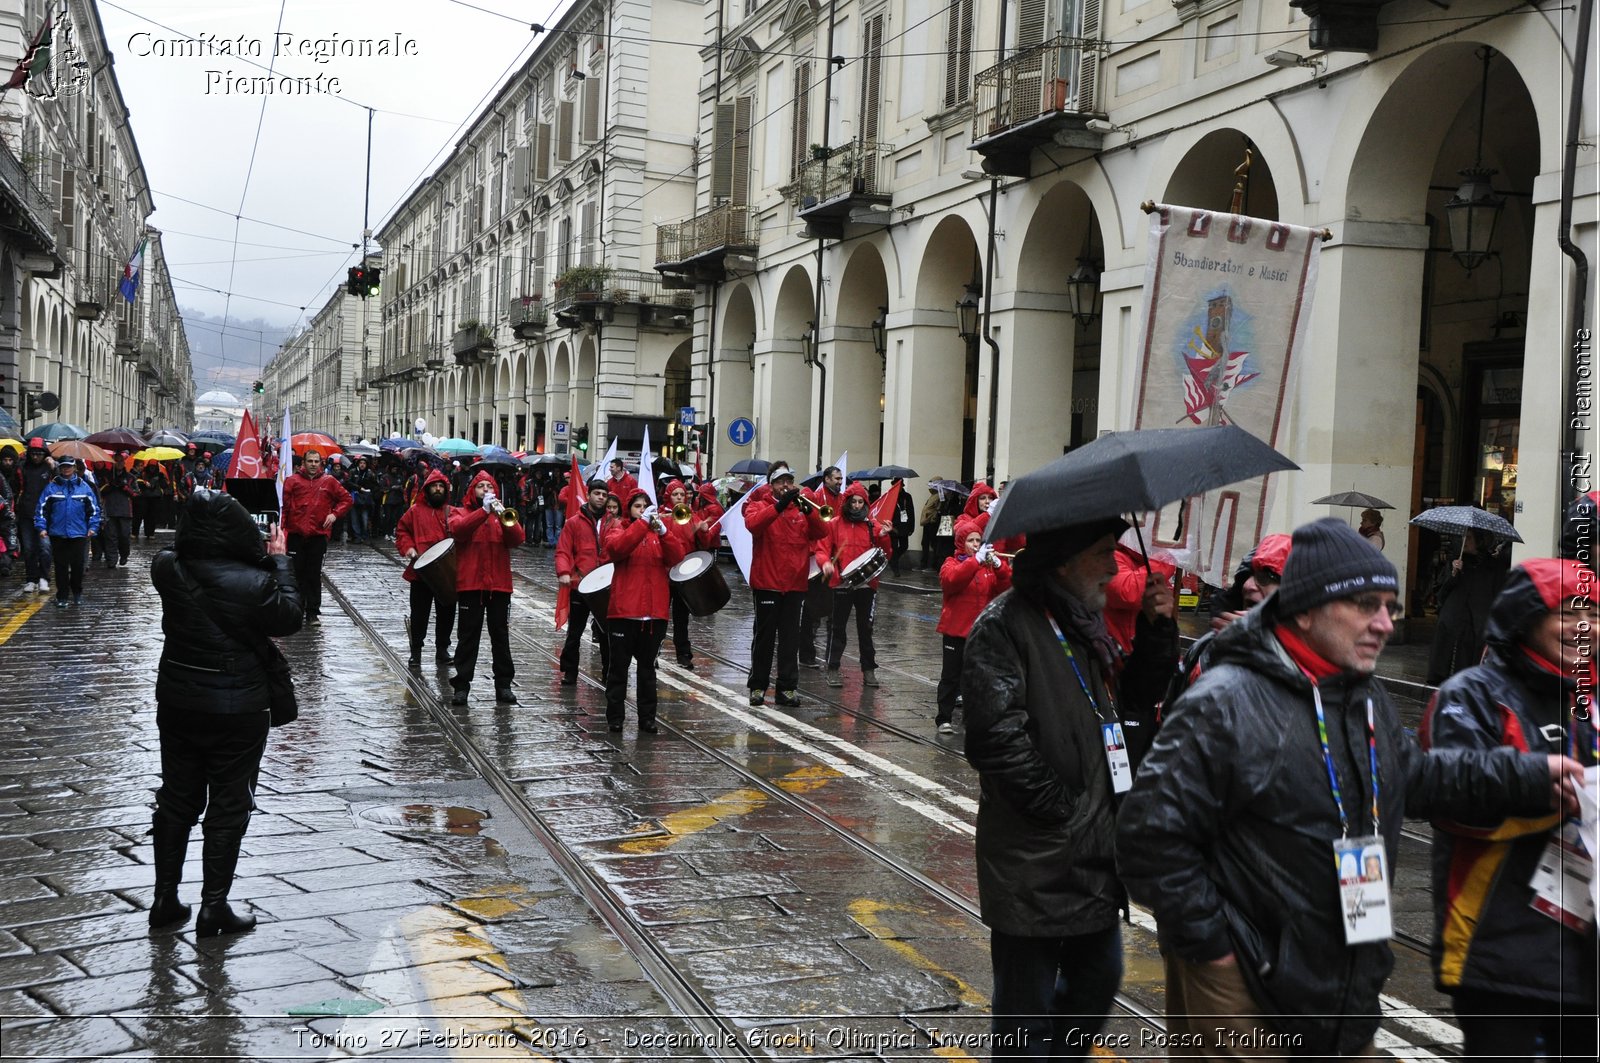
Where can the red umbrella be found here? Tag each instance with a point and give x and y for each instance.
(117, 439)
(301, 442)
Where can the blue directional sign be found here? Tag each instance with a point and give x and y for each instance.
(686, 416)
(741, 432)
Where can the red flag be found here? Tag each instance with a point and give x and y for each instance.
(246, 462)
(883, 509)
(575, 499)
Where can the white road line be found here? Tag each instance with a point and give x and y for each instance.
(1430, 1029)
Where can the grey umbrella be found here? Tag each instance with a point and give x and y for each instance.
(1352, 498)
(1458, 520)
(1131, 472)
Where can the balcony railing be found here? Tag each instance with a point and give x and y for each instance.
(127, 345)
(472, 343)
(855, 169)
(710, 234)
(1056, 77)
(34, 206)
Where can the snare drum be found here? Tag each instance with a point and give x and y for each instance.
(814, 570)
(864, 569)
(595, 590)
(697, 580)
(436, 567)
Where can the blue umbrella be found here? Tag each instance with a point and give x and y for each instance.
(493, 455)
(396, 443)
(220, 462)
(750, 466)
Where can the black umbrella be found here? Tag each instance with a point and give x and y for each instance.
(212, 438)
(1458, 520)
(750, 467)
(530, 460)
(1132, 472)
(885, 472)
(1352, 498)
(168, 437)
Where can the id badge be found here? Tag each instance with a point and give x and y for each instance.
(1561, 883)
(1362, 865)
(1117, 757)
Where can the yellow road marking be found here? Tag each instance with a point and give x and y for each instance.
(21, 617)
(687, 821)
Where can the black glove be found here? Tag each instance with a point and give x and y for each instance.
(784, 501)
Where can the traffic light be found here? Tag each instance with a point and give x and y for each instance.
(258, 387)
(374, 279)
(581, 439)
(30, 405)
(363, 280)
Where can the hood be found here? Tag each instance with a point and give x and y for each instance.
(472, 501)
(707, 492)
(965, 526)
(673, 485)
(212, 525)
(855, 491)
(1532, 590)
(1271, 553)
(979, 490)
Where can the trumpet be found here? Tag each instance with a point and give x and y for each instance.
(509, 518)
(682, 514)
(827, 513)
(804, 504)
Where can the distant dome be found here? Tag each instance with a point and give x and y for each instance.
(217, 398)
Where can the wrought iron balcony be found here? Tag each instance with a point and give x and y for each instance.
(26, 210)
(472, 343)
(1042, 95)
(842, 184)
(700, 247)
(528, 315)
(127, 345)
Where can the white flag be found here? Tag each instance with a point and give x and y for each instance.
(285, 460)
(604, 468)
(647, 472)
(739, 538)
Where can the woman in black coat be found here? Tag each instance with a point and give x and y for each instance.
(222, 595)
(1464, 599)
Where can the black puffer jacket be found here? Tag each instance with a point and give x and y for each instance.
(1227, 834)
(1046, 826)
(217, 554)
(1487, 937)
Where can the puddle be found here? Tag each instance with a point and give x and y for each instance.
(429, 819)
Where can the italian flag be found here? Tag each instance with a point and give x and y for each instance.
(130, 273)
(36, 60)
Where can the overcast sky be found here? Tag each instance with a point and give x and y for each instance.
(308, 174)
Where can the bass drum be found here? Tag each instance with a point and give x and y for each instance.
(595, 590)
(697, 580)
(436, 567)
(864, 569)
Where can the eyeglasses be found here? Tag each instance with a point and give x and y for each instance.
(1265, 577)
(1369, 604)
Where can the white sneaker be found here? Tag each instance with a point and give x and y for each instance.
(947, 728)
(44, 586)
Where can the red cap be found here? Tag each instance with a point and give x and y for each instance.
(36, 443)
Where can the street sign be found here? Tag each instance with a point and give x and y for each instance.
(558, 429)
(686, 416)
(741, 432)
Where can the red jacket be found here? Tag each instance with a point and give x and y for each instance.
(307, 503)
(423, 526)
(483, 544)
(824, 497)
(849, 539)
(781, 558)
(708, 510)
(968, 587)
(623, 488)
(578, 549)
(639, 585)
(1125, 594)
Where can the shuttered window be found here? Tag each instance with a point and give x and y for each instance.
(541, 152)
(730, 152)
(519, 172)
(1031, 16)
(591, 110)
(1089, 58)
(588, 235)
(871, 77)
(537, 281)
(800, 139)
(564, 131)
(69, 212)
(958, 54)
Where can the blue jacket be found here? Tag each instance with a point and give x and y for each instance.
(68, 509)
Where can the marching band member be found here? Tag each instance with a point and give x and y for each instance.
(579, 551)
(782, 525)
(848, 538)
(642, 549)
(977, 507)
(708, 517)
(424, 525)
(483, 586)
(621, 483)
(687, 533)
(819, 595)
(970, 578)
(312, 503)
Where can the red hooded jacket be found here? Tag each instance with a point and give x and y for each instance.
(623, 488)
(968, 586)
(1125, 594)
(640, 589)
(849, 539)
(781, 559)
(307, 503)
(483, 544)
(423, 525)
(709, 510)
(579, 550)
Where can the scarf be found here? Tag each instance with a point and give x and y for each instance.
(1084, 625)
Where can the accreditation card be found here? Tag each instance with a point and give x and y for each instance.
(1561, 882)
(1363, 868)
(1117, 757)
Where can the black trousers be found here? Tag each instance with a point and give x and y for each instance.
(863, 601)
(308, 552)
(152, 514)
(818, 608)
(70, 557)
(208, 764)
(680, 629)
(637, 642)
(580, 617)
(777, 624)
(898, 544)
(118, 532)
(955, 652)
(1502, 1026)
(474, 607)
(424, 601)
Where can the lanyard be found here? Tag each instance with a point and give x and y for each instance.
(1333, 776)
(1072, 659)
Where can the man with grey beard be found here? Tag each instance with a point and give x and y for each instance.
(1039, 683)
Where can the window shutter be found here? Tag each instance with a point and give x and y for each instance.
(871, 70)
(591, 110)
(538, 264)
(742, 108)
(801, 136)
(519, 172)
(722, 137)
(541, 152)
(958, 54)
(1089, 58)
(564, 115)
(69, 210)
(1031, 17)
(587, 235)
(496, 198)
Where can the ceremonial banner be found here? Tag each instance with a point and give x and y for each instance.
(1227, 300)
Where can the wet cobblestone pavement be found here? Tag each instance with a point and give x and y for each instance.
(513, 882)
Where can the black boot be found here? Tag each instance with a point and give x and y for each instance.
(171, 841)
(220, 856)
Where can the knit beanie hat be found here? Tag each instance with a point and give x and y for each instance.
(1329, 560)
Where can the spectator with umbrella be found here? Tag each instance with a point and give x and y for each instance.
(117, 495)
(1476, 576)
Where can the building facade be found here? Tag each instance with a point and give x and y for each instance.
(834, 260)
(519, 293)
(320, 374)
(75, 198)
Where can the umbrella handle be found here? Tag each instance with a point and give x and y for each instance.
(1144, 555)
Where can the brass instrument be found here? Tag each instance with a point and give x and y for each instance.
(804, 504)
(682, 514)
(509, 518)
(827, 513)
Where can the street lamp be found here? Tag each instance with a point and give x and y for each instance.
(1083, 291)
(967, 314)
(880, 332)
(1475, 208)
(808, 343)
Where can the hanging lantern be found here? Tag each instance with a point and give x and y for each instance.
(967, 314)
(1083, 291)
